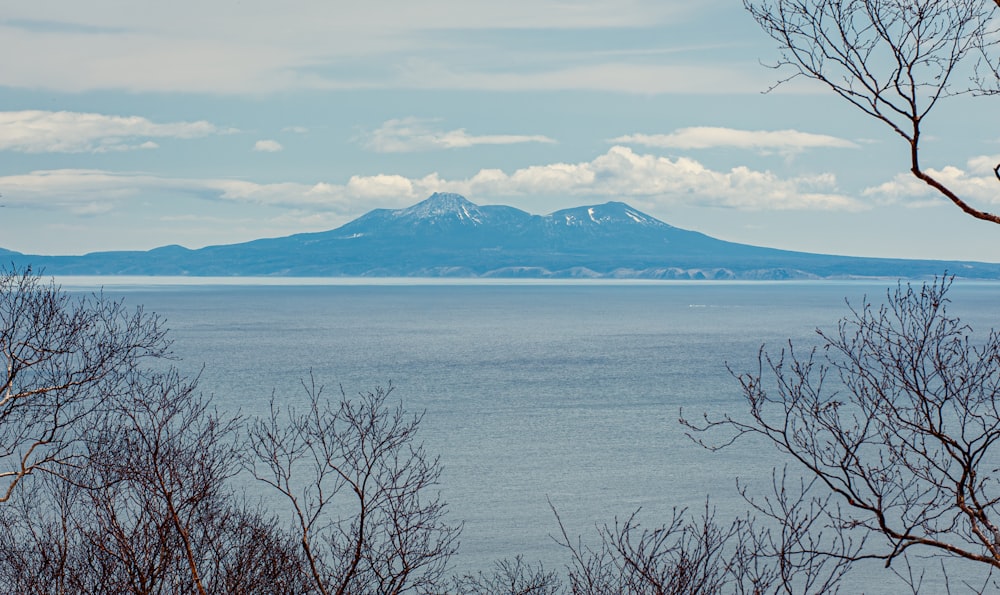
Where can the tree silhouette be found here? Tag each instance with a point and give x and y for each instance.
(892, 60)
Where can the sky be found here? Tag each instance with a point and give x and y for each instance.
(127, 125)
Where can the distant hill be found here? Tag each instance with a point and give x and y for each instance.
(447, 235)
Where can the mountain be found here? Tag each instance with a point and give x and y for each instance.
(447, 235)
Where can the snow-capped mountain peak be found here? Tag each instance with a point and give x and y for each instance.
(443, 205)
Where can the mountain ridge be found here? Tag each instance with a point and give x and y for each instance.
(448, 235)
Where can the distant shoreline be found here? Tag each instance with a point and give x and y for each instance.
(166, 281)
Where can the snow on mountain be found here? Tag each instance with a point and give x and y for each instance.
(605, 214)
(441, 211)
(442, 205)
(449, 209)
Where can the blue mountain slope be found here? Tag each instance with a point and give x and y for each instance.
(449, 235)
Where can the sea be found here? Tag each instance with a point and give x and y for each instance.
(539, 397)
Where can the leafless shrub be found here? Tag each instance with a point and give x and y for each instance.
(152, 510)
(360, 490)
(62, 357)
(511, 577)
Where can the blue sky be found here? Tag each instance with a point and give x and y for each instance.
(131, 125)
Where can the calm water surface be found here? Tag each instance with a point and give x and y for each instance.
(568, 393)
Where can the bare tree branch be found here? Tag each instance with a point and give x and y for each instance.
(62, 356)
(892, 60)
(358, 485)
(897, 416)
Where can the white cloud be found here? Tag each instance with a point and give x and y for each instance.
(707, 137)
(295, 129)
(89, 191)
(268, 146)
(619, 174)
(905, 187)
(415, 134)
(984, 164)
(36, 131)
(378, 186)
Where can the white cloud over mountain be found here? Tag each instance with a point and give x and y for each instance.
(625, 174)
(416, 134)
(618, 174)
(37, 131)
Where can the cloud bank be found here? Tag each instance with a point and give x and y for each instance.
(710, 137)
(37, 131)
(415, 134)
(389, 44)
(618, 174)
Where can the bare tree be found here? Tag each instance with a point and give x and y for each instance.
(774, 551)
(897, 417)
(63, 356)
(127, 472)
(680, 556)
(151, 512)
(891, 59)
(359, 488)
(159, 468)
(789, 541)
(511, 577)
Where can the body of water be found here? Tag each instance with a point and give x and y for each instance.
(532, 393)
